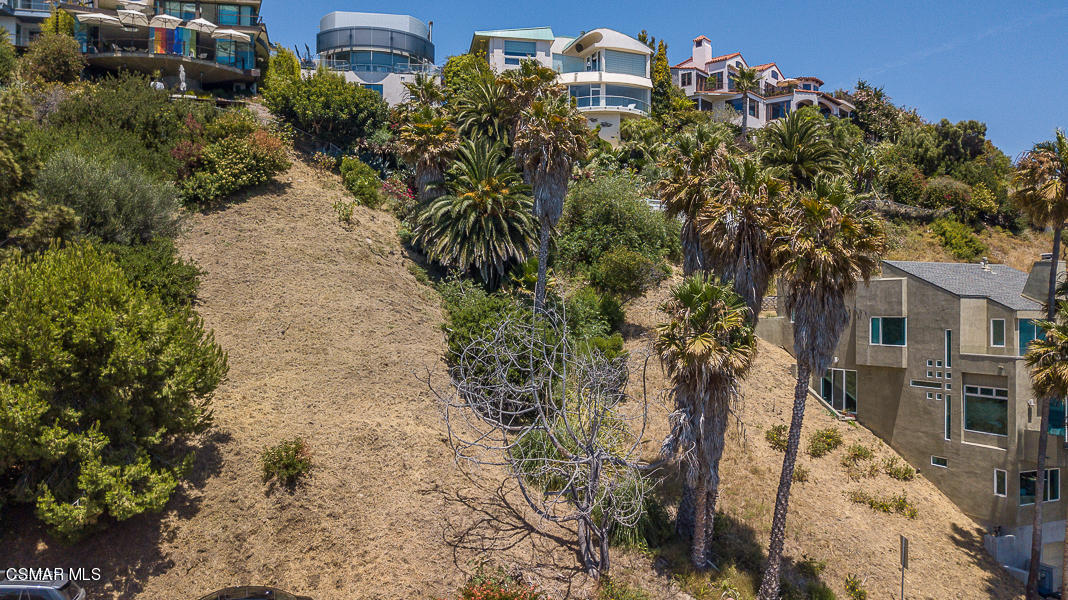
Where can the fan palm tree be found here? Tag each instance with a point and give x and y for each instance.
(484, 224)
(799, 145)
(746, 80)
(551, 136)
(740, 223)
(523, 85)
(1041, 192)
(427, 141)
(685, 187)
(707, 345)
(425, 90)
(1047, 358)
(484, 110)
(834, 242)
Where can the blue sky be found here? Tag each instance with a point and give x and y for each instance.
(1004, 63)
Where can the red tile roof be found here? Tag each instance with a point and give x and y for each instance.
(701, 37)
(766, 66)
(724, 57)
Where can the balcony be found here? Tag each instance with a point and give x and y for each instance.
(41, 6)
(599, 103)
(206, 62)
(344, 65)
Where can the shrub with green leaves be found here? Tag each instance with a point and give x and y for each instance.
(824, 441)
(592, 314)
(497, 585)
(156, 268)
(327, 106)
(362, 181)
(905, 184)
(114, 202)
(776, 436)
(898, 469)
(7, 58)
(958, 239)
(946, 192)
(855, 587)
(857, 453)
(100, 385)
(286, 462)
(235, 163)
(898, 503)
(53, 58)
(625, 273)
(613, 589)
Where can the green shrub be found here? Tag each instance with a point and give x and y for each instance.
(801, 474)
(824, 441)
(343, 209)
(592, 314)
(817, 590)
(946, 192)
(53, 57)
(612, 589)
(497, 585)
(898, 469)
(8, 58)
(156, 268)
(625, 274)
(362, 181)
(958, 239)
(857, 453)
(811, 567)
(233, 164)
(894, 504)
(327, 106)
(286, 463)
(776, 436)
(855, 587)
(114, 202)
(232, 122)
(99, 379)
(905, 183)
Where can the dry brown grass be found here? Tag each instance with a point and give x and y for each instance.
(914, 241)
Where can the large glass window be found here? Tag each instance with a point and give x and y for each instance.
(628, 63)
(1029, 486)
(182, 10)
(888, 331)
(986, 410)
(839, 389)
(997, 332)
(1029, 332)
(1056, 417)
(515, 51)
(586, 95)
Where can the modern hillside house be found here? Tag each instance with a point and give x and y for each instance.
(932, 363)
(22, 19)
(606, 72)
(708, 80)
(378, 51)
(219, 45)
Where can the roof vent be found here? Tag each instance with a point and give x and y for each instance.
(985, 264)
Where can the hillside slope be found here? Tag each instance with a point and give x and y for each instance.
(327, 333)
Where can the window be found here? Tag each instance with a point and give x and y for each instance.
(717, 81)
(930, 363)
(949, 348)
(949, 386)
(515, 51)
(686, 79)
(1000, 483)
(593, 62)
(839, 389)
(997, 333)
(938, 461)
(1029, 484)
(930, 374)
(1029, 332)
(938, 374)
(949, 375)
(938, 364)
(754, 108)
(938, 396)
(374, 87)
(738, 64)
(774, 75)
(888, 331)
(948, 426)
(1056, 417)
(925, 384)
(930, 395)
(986, 410)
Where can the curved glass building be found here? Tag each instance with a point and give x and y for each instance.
(379, 51)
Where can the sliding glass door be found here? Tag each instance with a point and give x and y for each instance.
(839, 389)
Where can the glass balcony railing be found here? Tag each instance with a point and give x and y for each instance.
(37, 5)
(597, 101)
(341, 65)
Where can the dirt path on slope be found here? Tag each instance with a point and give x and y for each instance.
(326, 332)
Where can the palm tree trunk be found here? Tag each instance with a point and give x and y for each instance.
(694, 258)
(543, 266)
(745, 113)
(697, 549)
(769, 587)
(685, 517)
(1043, 440)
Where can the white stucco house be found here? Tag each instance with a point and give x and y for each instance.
(22, 19)
(605, 71)
(708, 80)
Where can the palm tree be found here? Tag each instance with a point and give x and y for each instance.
(800, 145)
(686, 186)
(425, 90)
(483, 110)
(707, 346)
(1047, 358)
(746, 80)
(484, 225)
(523, 85)
(739, 225)
(427, 141)
(551, 136)
(834, 242)
(1041, 191)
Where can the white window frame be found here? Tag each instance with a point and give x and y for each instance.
(964, 403)
(1004, 334)
(1005, 483)
(948, 337)
(1045, 488)
(934, 464)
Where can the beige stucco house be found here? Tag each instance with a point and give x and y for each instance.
(932, 363)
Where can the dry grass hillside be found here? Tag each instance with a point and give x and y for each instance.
(327, 332)
(914, 241)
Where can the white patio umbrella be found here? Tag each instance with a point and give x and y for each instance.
(201, 25)
(133, 18)
(97, 19)
(140, 5)
(231, 34)
(165, 22)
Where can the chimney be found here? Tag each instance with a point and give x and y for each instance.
(1037, 286)
(702, 51)
(430, 31)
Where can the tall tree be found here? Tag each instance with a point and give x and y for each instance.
(427, 141)
(740, 224)
(800, 145)
(661, 76)
(834, 242)
(7, 58)
(425, 90)
(482, 109)
(551, 136)
(686, 186)
(1047, 357)
(1041, 192)
(484, 225)
(524, 85)
(707, 345)
(746, 81)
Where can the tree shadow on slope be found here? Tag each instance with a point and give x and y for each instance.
(1001, 584)
(127, 553)
(274, 187)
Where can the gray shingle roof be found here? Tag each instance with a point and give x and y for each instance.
(1001, 283)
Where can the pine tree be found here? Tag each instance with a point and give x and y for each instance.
(661, 77)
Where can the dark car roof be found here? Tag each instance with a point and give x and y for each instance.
(252, 592)
(54, 584)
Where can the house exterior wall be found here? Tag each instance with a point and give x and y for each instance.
(495, 54)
